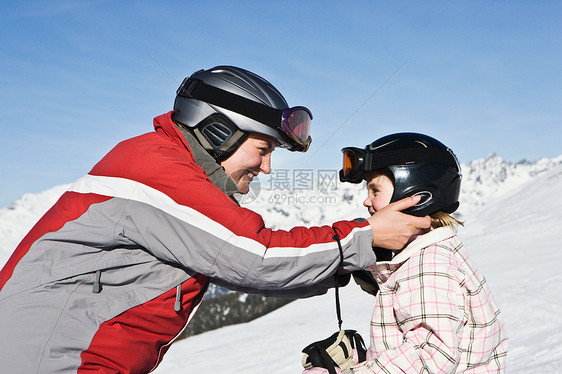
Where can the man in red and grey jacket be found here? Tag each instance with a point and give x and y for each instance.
(113, 272)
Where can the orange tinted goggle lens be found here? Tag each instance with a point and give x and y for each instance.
(348, 162)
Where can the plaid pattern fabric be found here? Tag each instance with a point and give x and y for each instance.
(434, 313)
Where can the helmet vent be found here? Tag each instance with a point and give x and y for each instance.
(216, 133)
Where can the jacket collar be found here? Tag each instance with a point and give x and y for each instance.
(202, 158)
(382, 270)
(422, 241)
(164, 124)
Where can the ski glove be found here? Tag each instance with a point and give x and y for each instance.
(341, 350)
(366, 281)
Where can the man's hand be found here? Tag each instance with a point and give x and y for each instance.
(392, 229)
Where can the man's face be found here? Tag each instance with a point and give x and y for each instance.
(379, 191)
(250, 159)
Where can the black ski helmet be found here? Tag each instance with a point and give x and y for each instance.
(418, 164)
(205, 101)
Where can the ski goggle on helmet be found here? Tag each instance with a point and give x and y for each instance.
(292, 123)
(418, 164)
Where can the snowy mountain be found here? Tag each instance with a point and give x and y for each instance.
(485, 180)
(512, 214)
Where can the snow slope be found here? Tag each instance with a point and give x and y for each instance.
(513, 215)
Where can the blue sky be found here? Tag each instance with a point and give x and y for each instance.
(76, 77)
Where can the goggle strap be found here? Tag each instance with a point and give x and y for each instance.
(381, 160)
(197, 89)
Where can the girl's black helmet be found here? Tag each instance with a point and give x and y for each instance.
(418, 164)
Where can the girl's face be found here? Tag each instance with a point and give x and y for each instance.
(379, 191)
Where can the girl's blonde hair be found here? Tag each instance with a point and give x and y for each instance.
(442, 219)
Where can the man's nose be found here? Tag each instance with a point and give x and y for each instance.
(265, 166)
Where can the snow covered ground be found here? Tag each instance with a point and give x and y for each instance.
(513, 215)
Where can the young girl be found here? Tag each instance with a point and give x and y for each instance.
(434, 312)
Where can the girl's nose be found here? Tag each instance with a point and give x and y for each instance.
(367, 203)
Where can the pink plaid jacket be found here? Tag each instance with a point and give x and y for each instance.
(434, 313)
